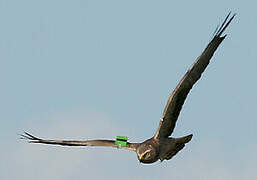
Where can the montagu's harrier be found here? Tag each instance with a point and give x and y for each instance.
(161, 145)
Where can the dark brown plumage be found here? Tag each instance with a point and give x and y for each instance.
(160, 146)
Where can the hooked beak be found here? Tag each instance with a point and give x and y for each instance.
(139, 158)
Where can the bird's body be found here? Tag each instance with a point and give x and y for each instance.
(161, 146)
(160, 149)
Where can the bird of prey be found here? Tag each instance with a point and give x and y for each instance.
(161, 146)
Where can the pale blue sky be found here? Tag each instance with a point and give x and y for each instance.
(86, 69)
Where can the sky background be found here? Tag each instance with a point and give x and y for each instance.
(86, 69)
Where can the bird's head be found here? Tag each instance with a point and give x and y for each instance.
(146, 153)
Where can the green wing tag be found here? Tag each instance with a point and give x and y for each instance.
(121, 141)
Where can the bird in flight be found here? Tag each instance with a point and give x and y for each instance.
(161, 146)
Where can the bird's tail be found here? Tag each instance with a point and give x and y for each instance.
(184, 140)
(179, 144)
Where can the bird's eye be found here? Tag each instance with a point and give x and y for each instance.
(146, 155)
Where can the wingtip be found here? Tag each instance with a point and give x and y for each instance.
(224, 25)
(28, 136)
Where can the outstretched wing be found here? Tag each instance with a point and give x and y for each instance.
(178, 96)
(110, 143)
